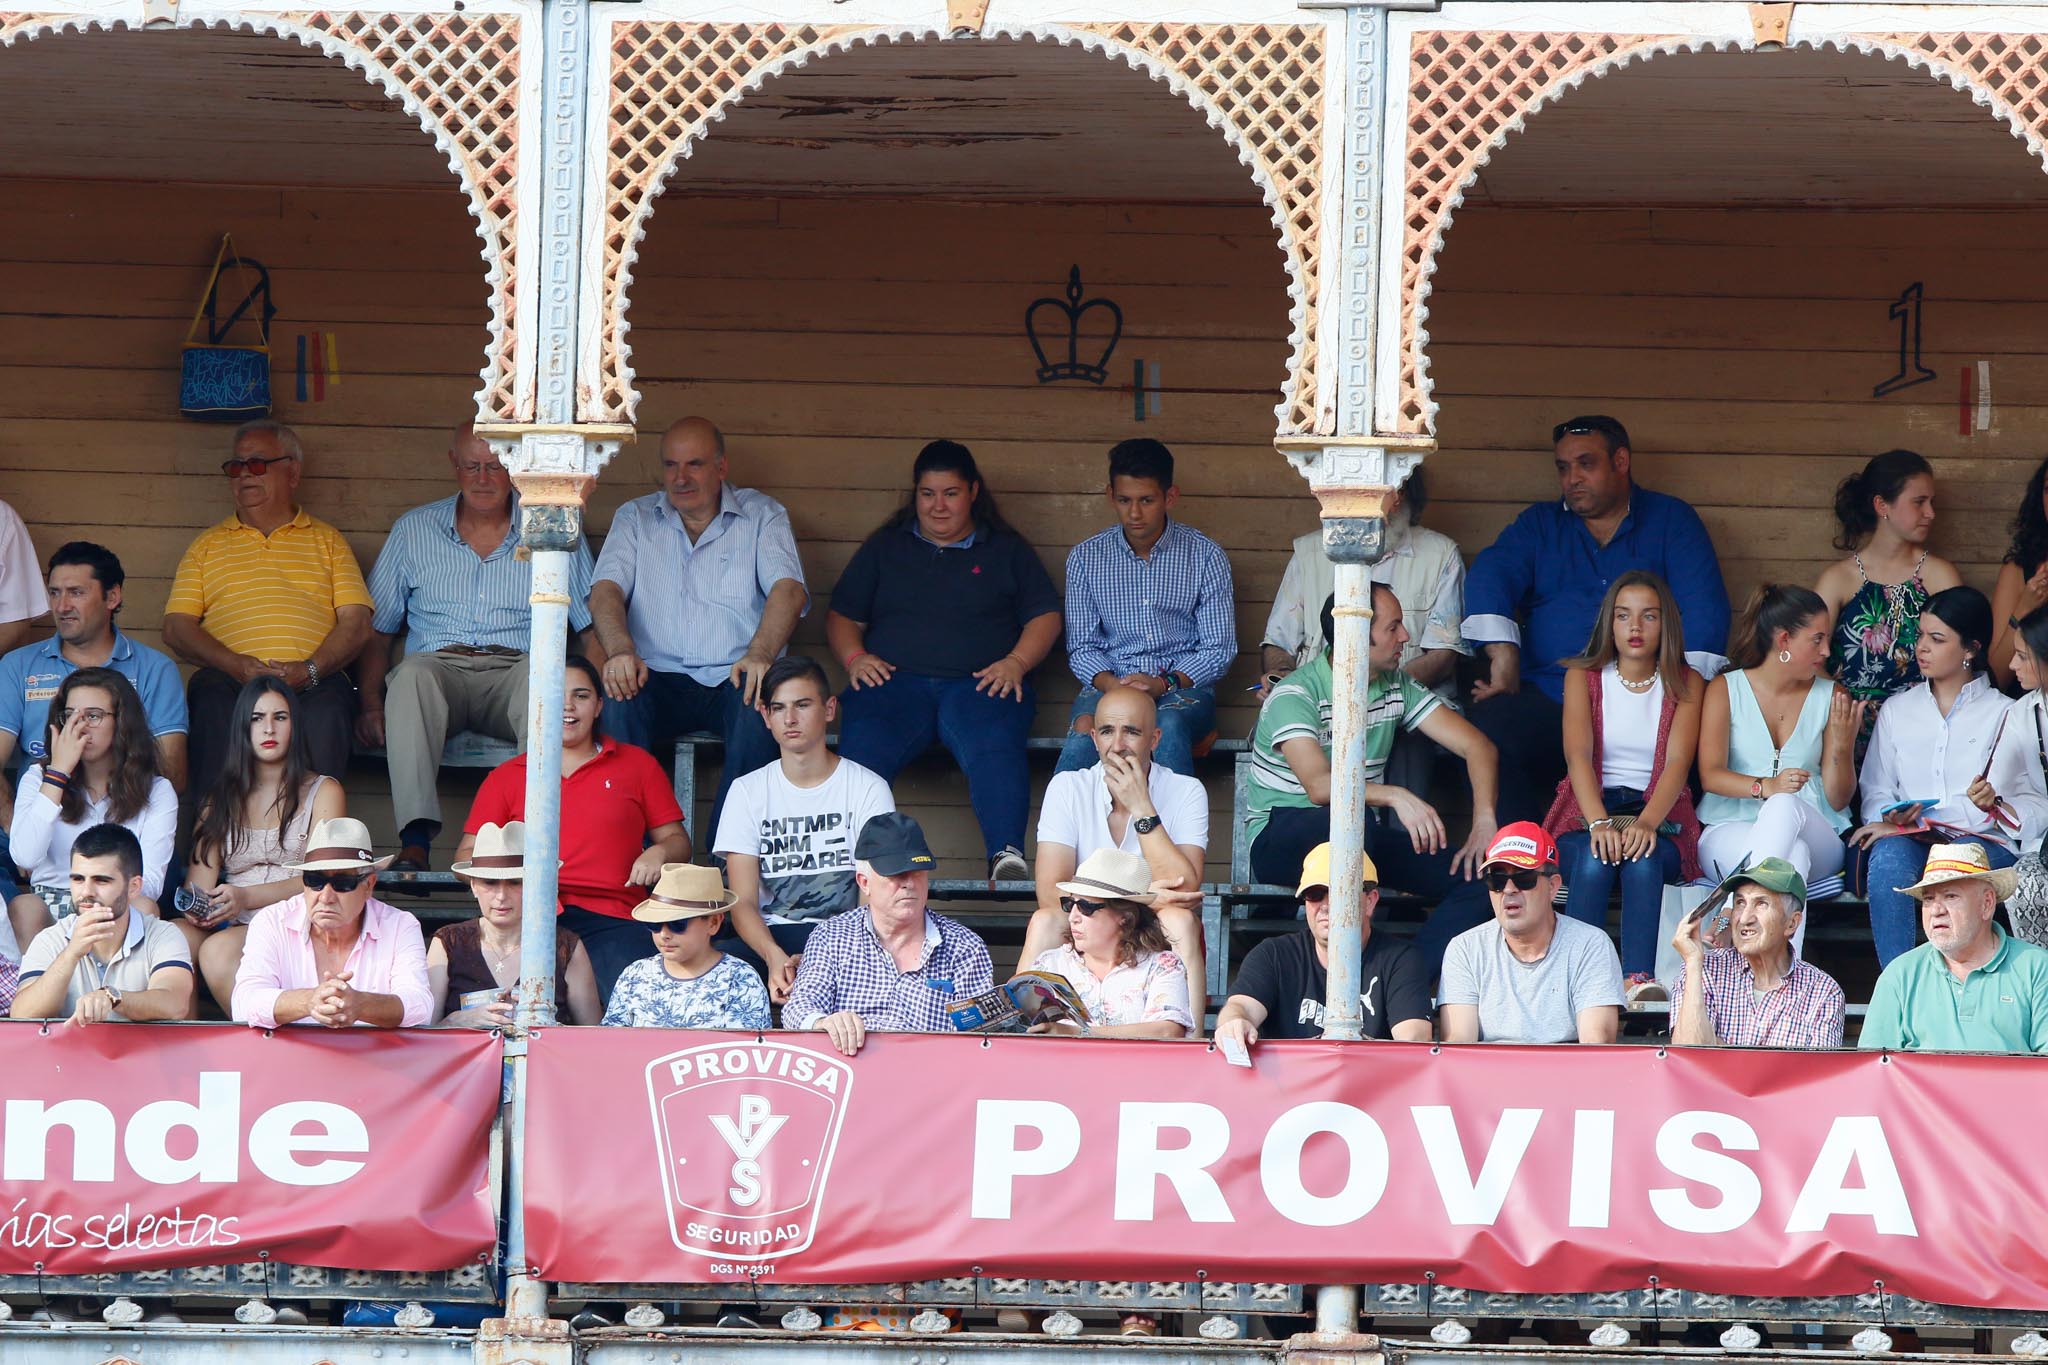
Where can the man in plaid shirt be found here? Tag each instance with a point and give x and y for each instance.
(889, 964)
(1756, 993)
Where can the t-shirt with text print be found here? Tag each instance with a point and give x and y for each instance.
(804, 836)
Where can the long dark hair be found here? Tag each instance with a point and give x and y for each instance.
(1886, 476)
(1770, 609)
(133, 751)
(2030, 526)
(2034, 630)
(576, 663)
(1602, 651)
(1965, 611)
(949, 457)
(220, 830)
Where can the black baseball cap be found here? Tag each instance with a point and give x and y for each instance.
(893, 845)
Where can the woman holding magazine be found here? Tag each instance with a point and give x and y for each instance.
(1932, 745)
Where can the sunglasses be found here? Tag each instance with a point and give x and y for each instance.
(1086, 907)
(1521, 881)
(236, 468)
(343, 882)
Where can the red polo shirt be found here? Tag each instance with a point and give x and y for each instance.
(608, 806)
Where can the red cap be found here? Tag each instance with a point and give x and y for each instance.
(1522, 845)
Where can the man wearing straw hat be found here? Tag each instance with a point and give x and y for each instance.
(1971, 987)
(335, 955)
(687, 983)
(1757, 992)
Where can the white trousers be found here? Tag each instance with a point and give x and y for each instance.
(1788, 827)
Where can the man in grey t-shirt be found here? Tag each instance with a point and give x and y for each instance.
(1529, 976)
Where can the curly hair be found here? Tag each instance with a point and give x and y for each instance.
(2029, 548)
(1138, 931)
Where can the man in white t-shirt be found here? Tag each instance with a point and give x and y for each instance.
(1128, 802)
(787, 831)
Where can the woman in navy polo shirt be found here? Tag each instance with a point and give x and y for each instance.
(939, 618)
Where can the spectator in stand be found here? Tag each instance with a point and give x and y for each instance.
(1757, 993)
(2022, 586)
(1623, 812)
(1149, 607)
(1282, 989)
(101, 769)
(2018, 776)
(85, 586)
(1777, 741)
(893, 964)
(107, 961)
(1424, 569)
(270, 590)
(688, 983)
(1288, 799)
(1876, 595)
(450, 574)
(1529, 975)
(473, 964)
(1969, 987)
(620, 824)
(1931, 744)
(1533, 597)
(334, 954)
(704, 578)
(1116, 956)
(788, 829)
(939, 618)
(1126, 801)
(21, 598)
(253, 827)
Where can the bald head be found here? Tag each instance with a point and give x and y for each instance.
(1126, 722)
(486, 489)
(693, 468)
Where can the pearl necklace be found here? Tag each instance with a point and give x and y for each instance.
(1638, 687)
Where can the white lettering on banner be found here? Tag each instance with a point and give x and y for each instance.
(1280, 1164)
(1741, 1191)
(215, 1124)
(1592, 1167)
(1469, 1202)
(712, 1063)
(1859, 1138)
(1140, 1161)
(997, 1159)
(26, 1229)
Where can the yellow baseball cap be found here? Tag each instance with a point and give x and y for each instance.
(1315, 869)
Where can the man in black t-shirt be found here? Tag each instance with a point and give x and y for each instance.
(1280, 989)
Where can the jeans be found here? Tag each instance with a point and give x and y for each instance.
(1642, 893)
(1528, 729)
(675, 704)
(885, 726)
(1290, 832)
(614, 944)
(1895, 916)
(1187, 716)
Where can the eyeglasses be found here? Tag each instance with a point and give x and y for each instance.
(1084, 906)
(477, 470)
(91, 715)
(236, 468)
(342, 882)
(1522, 881)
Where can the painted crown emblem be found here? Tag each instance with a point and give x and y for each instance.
(1054, 326)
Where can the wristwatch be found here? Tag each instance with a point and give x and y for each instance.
(113, 995)
(1145, 824)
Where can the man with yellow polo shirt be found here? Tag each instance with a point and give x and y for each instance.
(268, 591)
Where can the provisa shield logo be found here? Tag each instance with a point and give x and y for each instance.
(746, 1133)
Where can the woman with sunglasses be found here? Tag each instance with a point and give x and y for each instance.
(101, 769)
(251, 829)
(1116, 956)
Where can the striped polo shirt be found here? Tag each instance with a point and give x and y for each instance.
(270, 597)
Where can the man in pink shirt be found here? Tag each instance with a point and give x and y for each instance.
(335, 955)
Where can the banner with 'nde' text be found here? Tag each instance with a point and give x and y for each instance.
(693, 1157)
(137, 1146)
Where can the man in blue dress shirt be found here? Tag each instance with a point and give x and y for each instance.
(1532, 597)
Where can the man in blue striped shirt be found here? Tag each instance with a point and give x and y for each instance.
(450, 577)
(1149, 606)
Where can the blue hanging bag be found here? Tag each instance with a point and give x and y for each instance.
(218, 382)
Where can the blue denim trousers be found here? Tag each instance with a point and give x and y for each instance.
(886, 726)
(1186, 717)
(1642, 882)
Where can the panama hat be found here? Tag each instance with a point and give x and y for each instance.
(341, 845)
(1112, 874)
(499, 854)
(1961, 863)
(685, 891)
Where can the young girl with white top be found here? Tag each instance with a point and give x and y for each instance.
(2017, 781)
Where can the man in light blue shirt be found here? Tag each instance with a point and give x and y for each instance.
(698, 588)
(84, 585)
(449, 576)
(1149, 606)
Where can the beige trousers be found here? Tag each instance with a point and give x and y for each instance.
(427, 698)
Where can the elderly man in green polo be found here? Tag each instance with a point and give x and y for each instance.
(1971, 987)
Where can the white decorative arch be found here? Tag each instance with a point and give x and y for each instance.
(456, 75)
(733, 61)
(1437, 182)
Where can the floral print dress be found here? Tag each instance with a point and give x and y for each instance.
(1872, 652)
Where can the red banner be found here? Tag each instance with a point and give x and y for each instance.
(136, 1146)
(699, 1157)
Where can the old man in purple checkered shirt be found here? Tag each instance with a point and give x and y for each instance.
(889, 964)
(1757, 993)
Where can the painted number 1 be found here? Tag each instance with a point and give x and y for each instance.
(1906, 312)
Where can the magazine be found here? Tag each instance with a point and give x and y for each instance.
(1026, 999)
